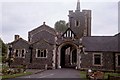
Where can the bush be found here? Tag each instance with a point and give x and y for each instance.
(4, 71)
(19, 69)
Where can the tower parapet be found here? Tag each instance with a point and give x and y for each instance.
(80, 21)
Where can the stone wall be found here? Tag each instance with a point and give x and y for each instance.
(19, 44)
(107, 61)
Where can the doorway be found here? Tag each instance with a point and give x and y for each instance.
(68, 56)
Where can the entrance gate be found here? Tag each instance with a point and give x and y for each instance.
(68, 56)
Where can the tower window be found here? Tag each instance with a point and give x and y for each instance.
(77, 23)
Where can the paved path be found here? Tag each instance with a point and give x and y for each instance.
(57, 73)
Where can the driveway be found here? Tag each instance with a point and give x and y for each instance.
(56, 74)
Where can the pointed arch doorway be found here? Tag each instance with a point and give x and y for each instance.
(67, 55)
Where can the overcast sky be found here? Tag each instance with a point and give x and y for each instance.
(21, 16)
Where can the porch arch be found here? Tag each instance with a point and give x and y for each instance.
(61, 55)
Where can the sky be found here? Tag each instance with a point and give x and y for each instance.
(21, 16)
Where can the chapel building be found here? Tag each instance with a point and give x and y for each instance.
(75, 48)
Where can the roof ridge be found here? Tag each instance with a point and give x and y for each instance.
(18, 40)
(42, 26)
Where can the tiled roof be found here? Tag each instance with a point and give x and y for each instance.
(18, 40)
(101, 43)
(44, 26)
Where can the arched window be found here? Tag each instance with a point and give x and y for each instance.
(77, 23)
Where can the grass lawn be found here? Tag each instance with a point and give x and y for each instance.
(111, 74)
(83, 74)
(15, 75)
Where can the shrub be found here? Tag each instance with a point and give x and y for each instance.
(4, 71)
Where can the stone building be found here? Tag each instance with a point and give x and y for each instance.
(74, 48)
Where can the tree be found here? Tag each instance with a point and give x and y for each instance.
(3, 47)
(3, 50)
(60, 26)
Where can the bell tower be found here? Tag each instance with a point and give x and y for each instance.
(80, 21)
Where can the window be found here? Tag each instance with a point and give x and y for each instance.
(68, 34)
(118, 59)
(17, 53)
(38, 54)
(64, 35)
(97, 59)
(23, 53)
(41, 53)
(77, 23)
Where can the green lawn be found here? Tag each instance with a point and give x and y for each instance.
(15, 75)
(83, 74)
(111, 74)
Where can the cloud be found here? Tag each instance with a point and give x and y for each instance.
(66, 1)
(119, 17)
(105, 19)
(21, 17)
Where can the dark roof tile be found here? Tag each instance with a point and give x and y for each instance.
(101, 43)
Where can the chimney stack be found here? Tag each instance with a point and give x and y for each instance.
(17, 37)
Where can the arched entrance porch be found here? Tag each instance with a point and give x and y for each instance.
(67, 55)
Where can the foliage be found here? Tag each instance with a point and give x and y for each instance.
(6, 70)
(16, 75)
(3, 50)
(60, 26)
(3, 47)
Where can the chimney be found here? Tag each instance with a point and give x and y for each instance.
(17, 37)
